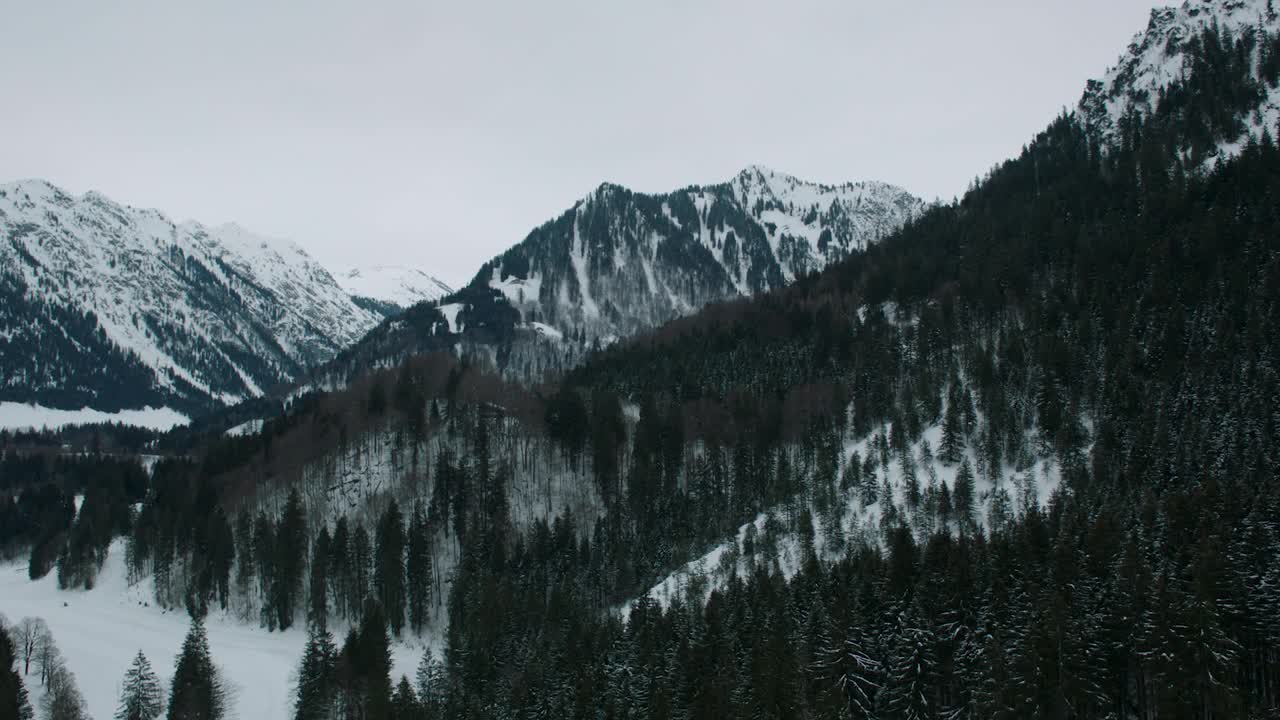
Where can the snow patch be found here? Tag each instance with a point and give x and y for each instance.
(395, 284)
(450, 313)
(20, 416)
(250, 427)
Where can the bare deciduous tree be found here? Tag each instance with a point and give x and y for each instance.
(48, 658)
(27, 634)
(62, 699)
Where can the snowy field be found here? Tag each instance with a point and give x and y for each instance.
(21, 416)
(99, 631)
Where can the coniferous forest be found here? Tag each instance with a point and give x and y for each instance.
(1020, 459)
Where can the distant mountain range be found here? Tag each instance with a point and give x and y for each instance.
(111, 307)
(108, 307)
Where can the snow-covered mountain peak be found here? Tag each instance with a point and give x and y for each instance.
(397, 285)
(1158, 58)
(758, 181)
(761, 175)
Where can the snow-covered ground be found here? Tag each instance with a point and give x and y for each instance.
(396, 284)
(248, 427)
(20, 416)
(99, 631)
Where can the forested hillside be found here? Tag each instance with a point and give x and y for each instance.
(1018, 459)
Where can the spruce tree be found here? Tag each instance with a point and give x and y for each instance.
(264, 550)
(432, 683)
(318, 586)
(404, 702)
(360, 559)
(962, 496)
(418, 569)
(141, 698)
(952, 447)
(389, 567)
(316, 676)
(375, 653)
(909, 686)
(196, 693)
(291, 553)
(245, 570)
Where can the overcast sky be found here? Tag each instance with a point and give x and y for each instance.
(438, 134)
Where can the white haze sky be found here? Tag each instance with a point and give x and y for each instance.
(438, 134)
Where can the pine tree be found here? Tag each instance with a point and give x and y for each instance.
(962, 496)
(418, 569)
(316, 676)
(909, 673)
(952, 447)
(318, 587)
(291, 553)
(245, 569)
(853, 668)
(369, 661)
(339, 576)
(197, 692)
(361, 557)
(404, 703)
(389, 567)
(141, 698)
(264, 553)
(432, 685)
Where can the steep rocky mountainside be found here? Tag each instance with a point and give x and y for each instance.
(620, 262)
(108, 306)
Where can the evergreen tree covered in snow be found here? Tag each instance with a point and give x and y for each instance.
(141, 697)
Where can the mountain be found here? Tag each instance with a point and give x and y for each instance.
(108, 306)
(389, 289)
(621, 262)
(1223, 51)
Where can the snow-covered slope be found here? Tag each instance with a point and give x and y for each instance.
(392, 285)
(110, 307)
(99, 631)
(20, 416)
(1160, 57)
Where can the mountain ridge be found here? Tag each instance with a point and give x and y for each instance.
(619, 262)
(198, 315)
